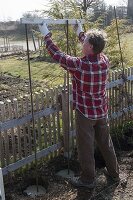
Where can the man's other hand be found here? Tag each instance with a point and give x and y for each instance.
(78, 28)
(44, 29)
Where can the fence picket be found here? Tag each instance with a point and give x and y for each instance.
(2, 139)
(116, 98)
(132, 91)
(18, 129)
(23, 134)
(39, 136)
(6, 138)
(71, 118)
(13, 143)
(113, 98)
(52, 93)
(30, 136)
(44, 121)
(110, 99)
(129, 100)
(49, 131)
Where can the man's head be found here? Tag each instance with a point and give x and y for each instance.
(94, 42)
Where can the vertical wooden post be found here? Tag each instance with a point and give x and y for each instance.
(39, 136)
(65, 122)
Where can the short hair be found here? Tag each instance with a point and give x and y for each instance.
(97, 38)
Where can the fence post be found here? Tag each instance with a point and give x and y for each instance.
(65, 122)
(2, 191)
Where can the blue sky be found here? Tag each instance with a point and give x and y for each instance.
(13, 9)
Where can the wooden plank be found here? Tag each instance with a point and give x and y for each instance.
(53, 124)
(132, 92)
(58, 104)
(49, 130)
(52, 93)
(6, 136)
(126, 97)
(30, 136)
(114, 83)
(31, 158)
(120, 113)
(116, 96)
(2, 191)
(1, 140)
(39, 137)
(71, 119)
(12, 130)
(65, 120)
(109, 91)
(109, 100)
(43, 153)
(43, 96)
(49, 21)
(23, 136)
(20, 121)
(113, 100)
(129, 73)
(59, 114)
(18, 135)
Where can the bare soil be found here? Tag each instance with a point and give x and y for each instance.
(60, 189)
(14, 86)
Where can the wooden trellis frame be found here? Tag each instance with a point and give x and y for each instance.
(50, 21)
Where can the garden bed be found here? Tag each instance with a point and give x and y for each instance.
(60, 189)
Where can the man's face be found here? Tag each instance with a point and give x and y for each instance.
(87, 48)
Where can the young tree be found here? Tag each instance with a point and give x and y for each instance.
(73, 9)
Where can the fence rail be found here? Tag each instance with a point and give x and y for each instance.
(50, 114)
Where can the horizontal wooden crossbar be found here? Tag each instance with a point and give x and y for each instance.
(46, 112)
(43, 153)
(20, 121)
(20, 163)
(50, 21)
(118, 82)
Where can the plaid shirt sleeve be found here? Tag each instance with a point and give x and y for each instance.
(69, 63)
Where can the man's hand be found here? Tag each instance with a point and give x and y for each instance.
(78, 28)
(44, 29)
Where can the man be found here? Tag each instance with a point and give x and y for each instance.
(89, 78)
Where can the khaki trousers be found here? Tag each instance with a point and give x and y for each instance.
(87, 131)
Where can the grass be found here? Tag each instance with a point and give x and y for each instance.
(51, 73)
(44, 72)
(127, 43)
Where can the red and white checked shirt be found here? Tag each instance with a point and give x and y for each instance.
(89, 78)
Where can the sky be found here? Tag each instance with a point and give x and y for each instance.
(14, 9)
